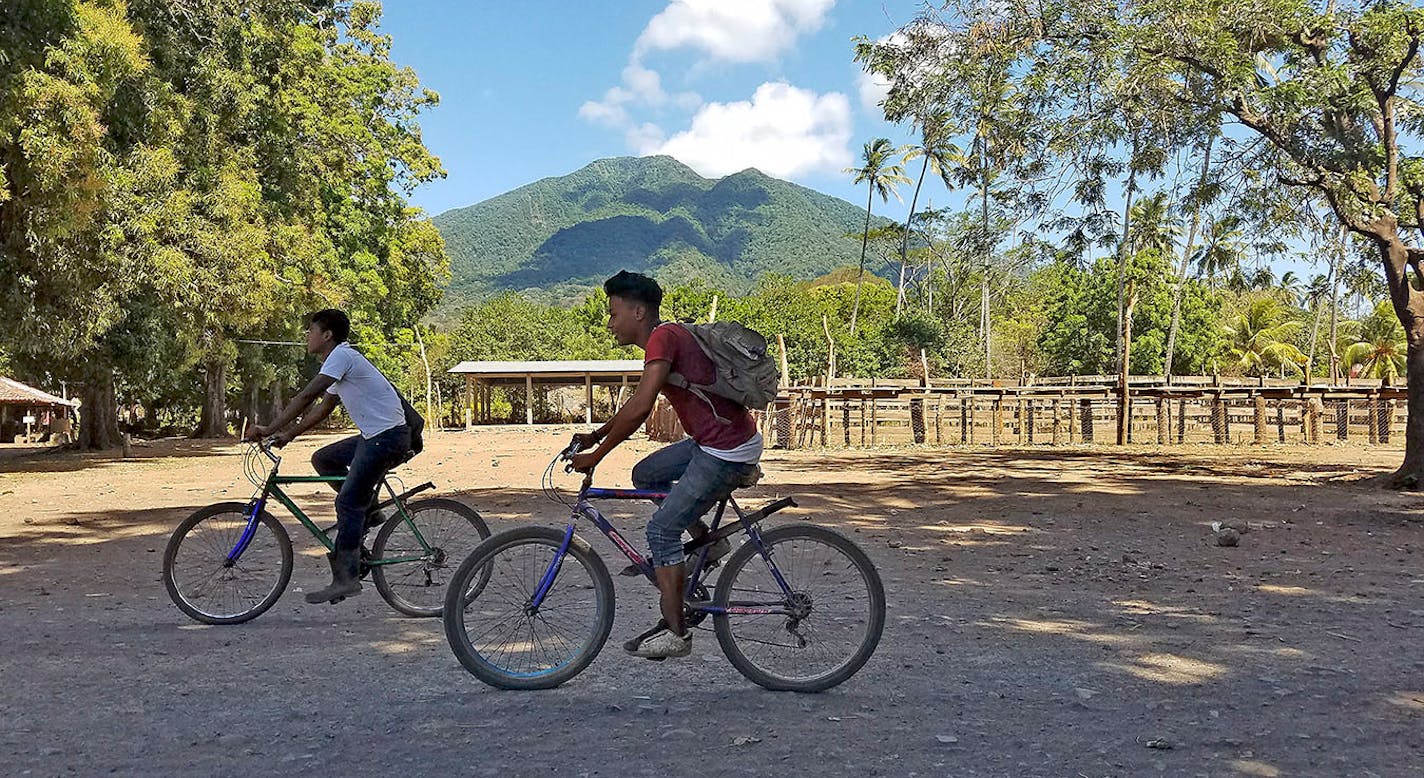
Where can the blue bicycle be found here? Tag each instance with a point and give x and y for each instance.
(795, 608)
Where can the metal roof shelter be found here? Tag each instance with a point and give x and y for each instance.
(481, 377)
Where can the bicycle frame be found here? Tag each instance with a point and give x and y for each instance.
(583, 507)
(271, 488)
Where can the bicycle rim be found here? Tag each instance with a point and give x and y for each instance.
(505, 642)
(837, 606)
(206, 586)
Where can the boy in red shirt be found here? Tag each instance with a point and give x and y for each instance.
(720, 454)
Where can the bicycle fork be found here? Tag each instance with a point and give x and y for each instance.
(249, 531)
(547, 581)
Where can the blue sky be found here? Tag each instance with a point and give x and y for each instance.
(536, 89)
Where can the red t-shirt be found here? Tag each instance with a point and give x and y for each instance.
(675, 345)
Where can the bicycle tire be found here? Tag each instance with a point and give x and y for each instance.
(399, 584)
(484, 661)
(212, 557)
(854, 560)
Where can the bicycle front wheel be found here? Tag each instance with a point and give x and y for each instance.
(416, 587)
(213, 589)
(820, 633)
(501, 637)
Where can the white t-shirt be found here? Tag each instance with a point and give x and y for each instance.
(367, 395)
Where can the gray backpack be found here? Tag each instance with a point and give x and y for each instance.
(746, 373)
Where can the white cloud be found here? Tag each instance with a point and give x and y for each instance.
(645, 84)
(609, 111)
(873, 89)
(646, 138)
(783, 131)
(732, 30)
(641, 86)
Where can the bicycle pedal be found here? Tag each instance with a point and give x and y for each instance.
(631, 571)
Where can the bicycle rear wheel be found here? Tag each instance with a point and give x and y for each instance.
(823, 632)
(451, 529)
(212, 589)
(505, 642)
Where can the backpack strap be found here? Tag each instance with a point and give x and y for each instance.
(681, 382)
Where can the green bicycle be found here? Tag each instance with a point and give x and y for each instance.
(229, 562)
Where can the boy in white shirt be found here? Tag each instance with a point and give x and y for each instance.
(385, 440)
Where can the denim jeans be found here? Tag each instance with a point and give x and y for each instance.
(364, 462)
(694, 481)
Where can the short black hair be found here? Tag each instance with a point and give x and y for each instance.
(636, 287)
(333, 321)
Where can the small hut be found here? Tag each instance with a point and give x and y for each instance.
(28, 415)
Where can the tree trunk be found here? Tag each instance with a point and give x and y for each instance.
(213, 422)
(1123, 249)
(1315, 327)
(1410, 474)
(98, 416)
(1182, 275)
(278, 401)
(864, 241)
(985, 327)
(905, 238)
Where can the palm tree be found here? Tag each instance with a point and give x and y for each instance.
(1315, 296)
(1154, 226)
(881, 178)
(1289, 284)
(1381, 347)
(938, 155)
(1223, 251)
(1363, 282)
(1262, 278)
(1259, 336)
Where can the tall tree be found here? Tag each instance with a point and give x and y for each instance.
(937, 154)
(881, 177)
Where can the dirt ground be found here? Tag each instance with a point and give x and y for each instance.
(1051, 612)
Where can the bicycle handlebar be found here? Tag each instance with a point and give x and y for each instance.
(265, 446)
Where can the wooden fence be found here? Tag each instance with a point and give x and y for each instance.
(864, 416)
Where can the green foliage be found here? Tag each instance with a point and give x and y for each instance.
(557, 238)
(1380, 349)
(178, 178)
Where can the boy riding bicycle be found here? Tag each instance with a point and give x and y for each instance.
(721, 453)
(350, 379)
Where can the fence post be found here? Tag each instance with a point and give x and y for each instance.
(1281, 421)
(998, 420)
(1164, 427)
(1259, 417)
(1372, 418)
(1342, 420)
(939, 413)
(845, 419)
(1386, 420)
(1181, 421)
(917, 419)
(1057, 422)
(1028, 418)
(1087, 409)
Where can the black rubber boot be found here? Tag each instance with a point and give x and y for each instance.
(345, 565)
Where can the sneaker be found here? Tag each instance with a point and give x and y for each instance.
(664, 645)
